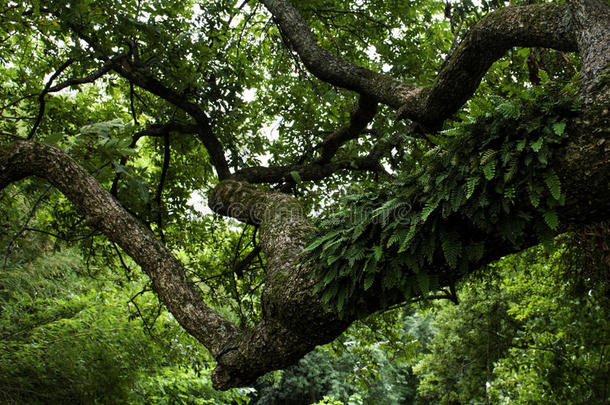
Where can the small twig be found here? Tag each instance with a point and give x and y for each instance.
(125, 266)
(41, 97)
(240, 266)
(90, 78)
(25, 225)
(132, 104)
(63, 237)
(12, 135)
(144, 322)
(158, 197)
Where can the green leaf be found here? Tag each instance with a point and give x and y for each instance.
(53, 138)
(559, 128)
(471, 183)
(378, 251)
(405, 243)
(554, 185)
(452, 248)
(295, 176)
(535, 194)
(551, 219)
(489, 170)
(487, 156)
(368, 280)
(341, 295)
(537, 145)
(313, 245)
(423, 282)
(428, 209)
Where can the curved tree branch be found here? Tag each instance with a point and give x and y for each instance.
(137, 74)
(322, 166)
(43, 93)
(542, 25)
(537, 25)
(293, 319)
(331, 68)
(22, 159)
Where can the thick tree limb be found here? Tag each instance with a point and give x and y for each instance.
(541, 25)
(21, 159)
(331, 68)
(294, 321)
(308, 172)
(537, 25)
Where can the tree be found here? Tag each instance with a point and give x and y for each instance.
(447, 194)
(523, 333)
(70, 330)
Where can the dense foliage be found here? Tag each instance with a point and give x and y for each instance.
(72, 330)
(136, 91)
(472, 173)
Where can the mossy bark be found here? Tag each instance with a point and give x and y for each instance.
(294, 321)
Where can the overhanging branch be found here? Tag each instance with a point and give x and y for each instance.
(22, 159)
(539, 25)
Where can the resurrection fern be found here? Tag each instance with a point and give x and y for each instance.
(438, 219)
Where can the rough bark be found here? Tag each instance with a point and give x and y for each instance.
(539, 25)
(22, 159)
(294, 321)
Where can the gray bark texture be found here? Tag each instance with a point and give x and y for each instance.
(294, 320)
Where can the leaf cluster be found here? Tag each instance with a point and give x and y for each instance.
(484, 183)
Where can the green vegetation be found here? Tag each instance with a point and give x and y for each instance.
(531, 328)
(489, 293)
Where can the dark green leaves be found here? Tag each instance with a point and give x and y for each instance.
(441, 217)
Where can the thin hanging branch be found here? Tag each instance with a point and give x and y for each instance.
(24, 227)
(41, 97)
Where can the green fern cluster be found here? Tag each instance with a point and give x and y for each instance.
(405, 239)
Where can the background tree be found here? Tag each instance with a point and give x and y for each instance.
(444, 180)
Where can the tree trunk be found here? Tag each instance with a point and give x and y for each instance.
(294, 320)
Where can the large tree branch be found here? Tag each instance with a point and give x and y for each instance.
(22, 159)
(139, 77)
(538, 25)
(331, 68)
(137, 74)
(294, 321)
(541, 25)
(308, 172)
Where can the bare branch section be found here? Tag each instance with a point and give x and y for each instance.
(540, 25)
(22, 159)
(331, 68)
(323, 166)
